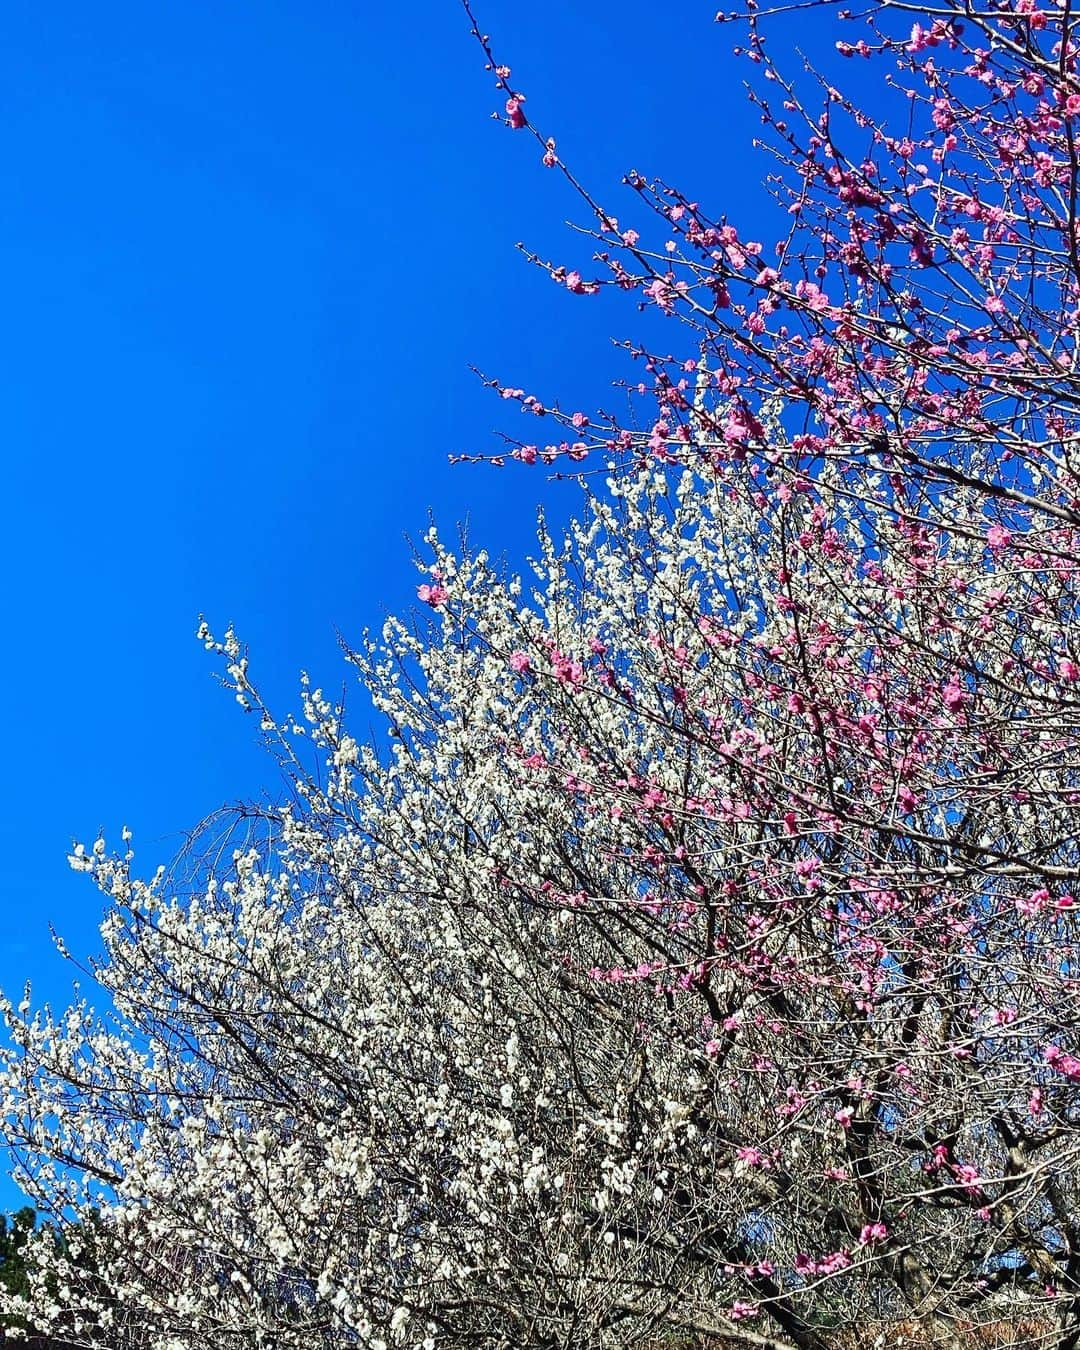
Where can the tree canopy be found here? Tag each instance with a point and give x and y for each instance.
(696, 953)
(14, 1231)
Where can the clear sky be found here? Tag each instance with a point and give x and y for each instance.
(249, 251)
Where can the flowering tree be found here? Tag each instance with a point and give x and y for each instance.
(701, 957)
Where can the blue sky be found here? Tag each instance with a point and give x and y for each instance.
(249, 252)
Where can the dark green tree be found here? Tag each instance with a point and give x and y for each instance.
(14, 1231)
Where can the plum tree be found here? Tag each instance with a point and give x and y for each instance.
(700, 958)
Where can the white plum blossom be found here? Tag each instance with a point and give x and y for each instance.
(515, 1031)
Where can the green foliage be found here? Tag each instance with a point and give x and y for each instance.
(14, 1232)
